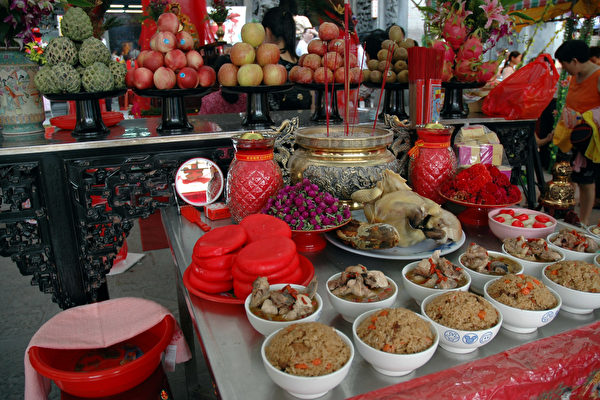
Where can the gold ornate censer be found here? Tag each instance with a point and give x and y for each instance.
(561, 191)
(342, 164)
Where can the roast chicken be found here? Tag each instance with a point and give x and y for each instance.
(416, 218)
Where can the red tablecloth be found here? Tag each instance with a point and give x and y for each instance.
(543, 369)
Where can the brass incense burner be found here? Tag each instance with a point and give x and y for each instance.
(342, 164)
(561, 191)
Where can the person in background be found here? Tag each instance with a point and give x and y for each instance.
(580, 115)
(280, 29)
(372, 44)
(308, 35)
(595, 55)
(514, 58)
(220, 102)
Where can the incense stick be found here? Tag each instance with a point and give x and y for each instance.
(383, 81)
(346, 68)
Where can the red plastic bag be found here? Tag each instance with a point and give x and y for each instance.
(525, 93)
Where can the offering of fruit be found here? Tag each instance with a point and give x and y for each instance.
(305, 208)
(171, 62)
(253, 62)
(86, 66)
(325, 59)
(393, 56)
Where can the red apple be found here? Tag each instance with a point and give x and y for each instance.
(336, 45)
(328, 31)
(250, 75)
(165, 41)
(143, 78)
(301, 60)
(305, 75)
(355, 75)
(338, 75)
(153, 41)
(168, 22)
(267, 53)
(227, 75)
(316, 46)
(274, 74)
(206, 76)
(175, 59)
(194, 59)
(312, 61)
(129, 80)
(184, 40)
(164, 78)
(253, 33)
(242, 53)
(319, 75)
(332, 60)
(187, 78)
(153, 60)
(140, 58)
(293, 75)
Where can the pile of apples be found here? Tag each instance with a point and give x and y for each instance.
(252, 61)
(325, 59)
(397, 60)
(172, 60)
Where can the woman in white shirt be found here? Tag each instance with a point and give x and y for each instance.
(514, 59)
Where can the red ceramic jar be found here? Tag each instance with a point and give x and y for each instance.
(432, 161)
(253, 176)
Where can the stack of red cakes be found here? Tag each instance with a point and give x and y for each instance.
(233, 256)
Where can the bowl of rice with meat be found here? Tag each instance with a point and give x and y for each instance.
(357, 290)
(307, 359)
(524, 301)
(577, 283)
(463, 320)
(533, 254)
(574, 244)
(484, 265)
(395, 341)
(433, 275)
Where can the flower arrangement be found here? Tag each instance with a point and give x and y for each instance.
(35, 52)
(219, 12)
(465, 30)
(481, 184)
(157, 7)
(20, 17)
(305, 208)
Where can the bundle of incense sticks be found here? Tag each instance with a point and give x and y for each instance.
(424, 84)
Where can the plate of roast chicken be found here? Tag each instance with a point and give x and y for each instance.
(397, 223)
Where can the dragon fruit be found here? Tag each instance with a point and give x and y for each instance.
(445, 47)
(455, 31)
(466, 70)
(486, 71)
(471, 49)
(447, 72)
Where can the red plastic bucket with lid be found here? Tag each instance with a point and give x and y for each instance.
(108, 378)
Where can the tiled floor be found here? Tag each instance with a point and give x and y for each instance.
(24, 309)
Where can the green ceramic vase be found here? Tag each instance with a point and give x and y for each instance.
(21, 104)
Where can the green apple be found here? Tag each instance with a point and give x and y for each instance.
(252, 136)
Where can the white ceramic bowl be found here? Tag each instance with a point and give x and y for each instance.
(349, 310)
(589, 228)
(523, 321)
(418, 292)
(534, 268)
(459, 341)
(479, 279)
(574, 255)
(574, 301)
(503, 231)
(389, 363)
(306, 387)
(267, 327)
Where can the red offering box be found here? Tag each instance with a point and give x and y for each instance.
(217, 211)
